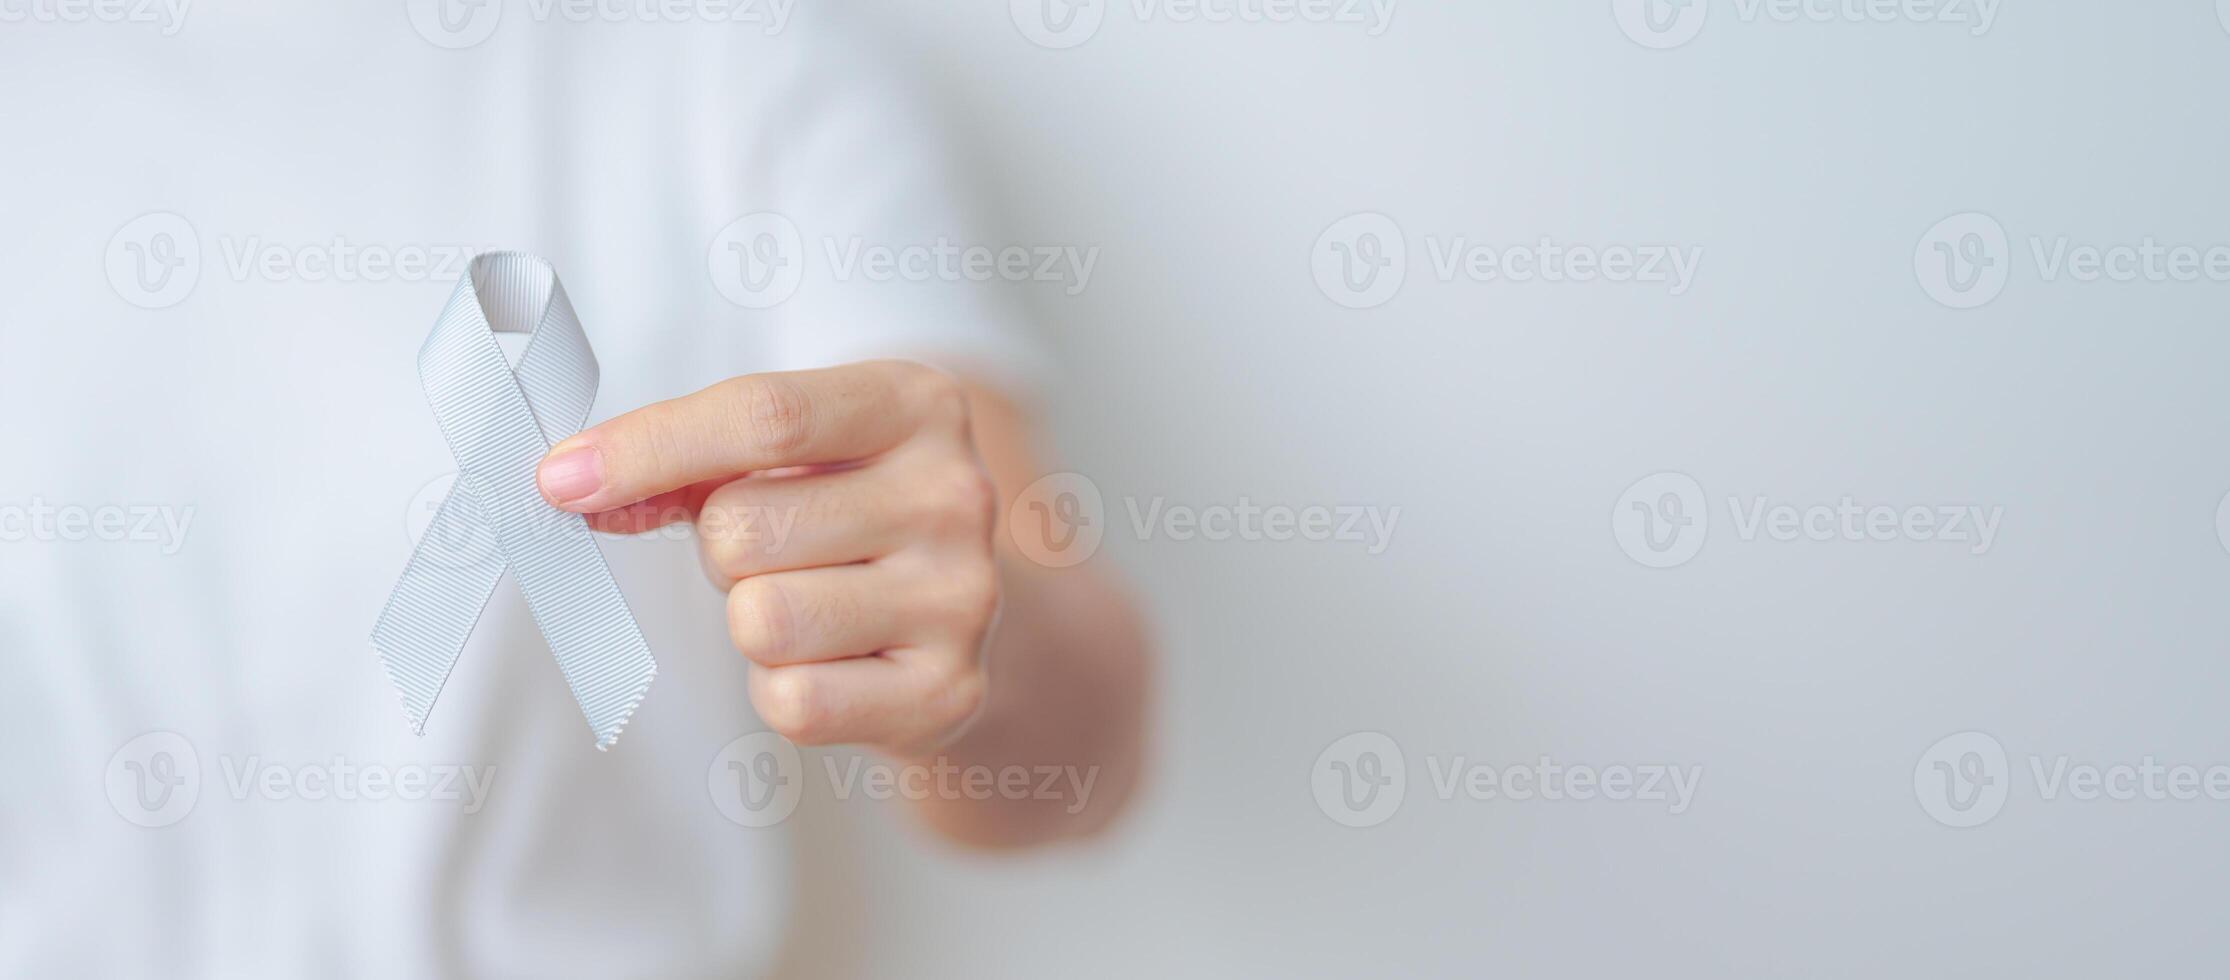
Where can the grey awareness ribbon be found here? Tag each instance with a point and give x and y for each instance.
(500, 422)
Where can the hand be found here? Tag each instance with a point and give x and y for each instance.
(848, 518)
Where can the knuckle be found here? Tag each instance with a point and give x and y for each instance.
(733, 531)
(760, 622)
(963, 502)
(789, 702)
(940, 395)
(776, 414)
(959, 698)
(973, 594)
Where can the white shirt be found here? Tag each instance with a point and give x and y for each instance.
(208, 490)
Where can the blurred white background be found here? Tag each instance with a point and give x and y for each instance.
(1806, 158)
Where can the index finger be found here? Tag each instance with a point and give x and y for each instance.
(753, 422)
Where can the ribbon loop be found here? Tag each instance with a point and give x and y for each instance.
(499, 423)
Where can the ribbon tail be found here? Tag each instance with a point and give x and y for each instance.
(435, 605)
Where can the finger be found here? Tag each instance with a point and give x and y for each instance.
(755, 422)
(903, 703)
(671, 507)
(830, 613)
(759, 525)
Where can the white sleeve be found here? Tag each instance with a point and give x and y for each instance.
(853, 159)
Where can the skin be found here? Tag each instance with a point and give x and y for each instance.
(897, 612)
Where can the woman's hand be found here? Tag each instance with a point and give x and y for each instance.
(849, 519)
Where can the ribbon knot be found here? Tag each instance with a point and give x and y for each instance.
(500, 422)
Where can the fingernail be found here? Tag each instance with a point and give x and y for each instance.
(572, 475)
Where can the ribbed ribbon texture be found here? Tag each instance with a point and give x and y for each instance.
(500, 422)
